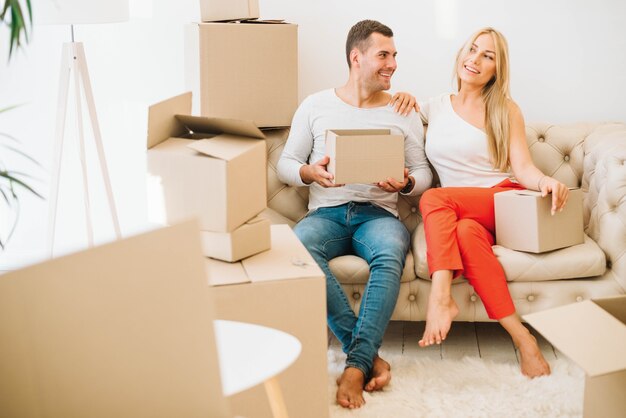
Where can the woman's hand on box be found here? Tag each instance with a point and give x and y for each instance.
(559, 191)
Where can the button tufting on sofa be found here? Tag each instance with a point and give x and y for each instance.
(356, 296)
(530, 298)
(473, 298)
(412, 298)
(566, 158)
(579, 298)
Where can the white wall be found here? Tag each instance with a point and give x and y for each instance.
(568, 65)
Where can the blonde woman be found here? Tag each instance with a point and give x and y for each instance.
(477, 144)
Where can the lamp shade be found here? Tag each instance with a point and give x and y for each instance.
(80, 11)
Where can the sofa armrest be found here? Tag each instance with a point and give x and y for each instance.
(604, 181)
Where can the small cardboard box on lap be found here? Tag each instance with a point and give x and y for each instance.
(364, 155)
(592, 333)
(209, 168)
(524, 222)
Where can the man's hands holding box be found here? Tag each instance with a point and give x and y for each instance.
(317, 173)
(366, 156)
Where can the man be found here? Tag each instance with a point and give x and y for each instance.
(358, 219)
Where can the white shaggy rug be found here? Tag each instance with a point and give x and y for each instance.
(471, 387)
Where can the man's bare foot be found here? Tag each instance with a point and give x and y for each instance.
(441, 312)
(532, 362)
(381, 375)
(350, 390)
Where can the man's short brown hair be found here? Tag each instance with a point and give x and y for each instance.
(359, 34)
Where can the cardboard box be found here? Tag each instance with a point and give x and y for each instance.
(364, 155)
(219, 10)
(294, 301)
(244, 70)
(104, 332)
(249, 239)
(592, 333)
(210, 168)
(524, 222)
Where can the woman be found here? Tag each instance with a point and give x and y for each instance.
(476, 142)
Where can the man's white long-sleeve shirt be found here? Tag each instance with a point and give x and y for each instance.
(306, 145)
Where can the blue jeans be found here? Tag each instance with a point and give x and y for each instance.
(374, 234)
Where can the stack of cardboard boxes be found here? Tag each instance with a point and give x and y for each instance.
(213, 166)
(212, 169)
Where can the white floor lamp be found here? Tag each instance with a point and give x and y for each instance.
(71, 12)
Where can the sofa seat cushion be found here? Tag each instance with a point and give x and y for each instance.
(578, 261)
(350, 269)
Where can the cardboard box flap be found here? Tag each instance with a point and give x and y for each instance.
(224, 148)
(221, 273)
(202, 124)
(615, 305)
(527, 193)
(265, 21)
(586, 333)
(352, 132)
(534, 192)
(287, 258)
(161, 121)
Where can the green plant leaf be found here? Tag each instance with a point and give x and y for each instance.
(22, 153)
(12, 179)
(4, 195)
(9, 136)
(17, 24)
(10, 107)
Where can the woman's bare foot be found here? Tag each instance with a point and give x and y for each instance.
(441, 311)
(531, 360)
(350, 390)
(381, 375)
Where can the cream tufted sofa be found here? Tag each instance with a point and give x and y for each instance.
(590, 156)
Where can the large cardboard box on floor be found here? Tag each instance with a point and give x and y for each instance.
(209, 168)
(524, 222)
(124, 329)
(364, 155)
(216, 10)
(244, 70)
(282, 288)
(592, 333)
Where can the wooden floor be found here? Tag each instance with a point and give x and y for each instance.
(486, 340)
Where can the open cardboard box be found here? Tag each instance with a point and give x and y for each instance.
(524, 222)
(209, 168)
(364, 155)
(592, 333)
(220, 10)
(246, 70)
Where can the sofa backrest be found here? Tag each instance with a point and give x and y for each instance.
(556, 149)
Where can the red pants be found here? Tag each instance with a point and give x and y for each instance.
(459, 223)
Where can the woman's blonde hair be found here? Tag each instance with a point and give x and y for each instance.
(496, 96)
